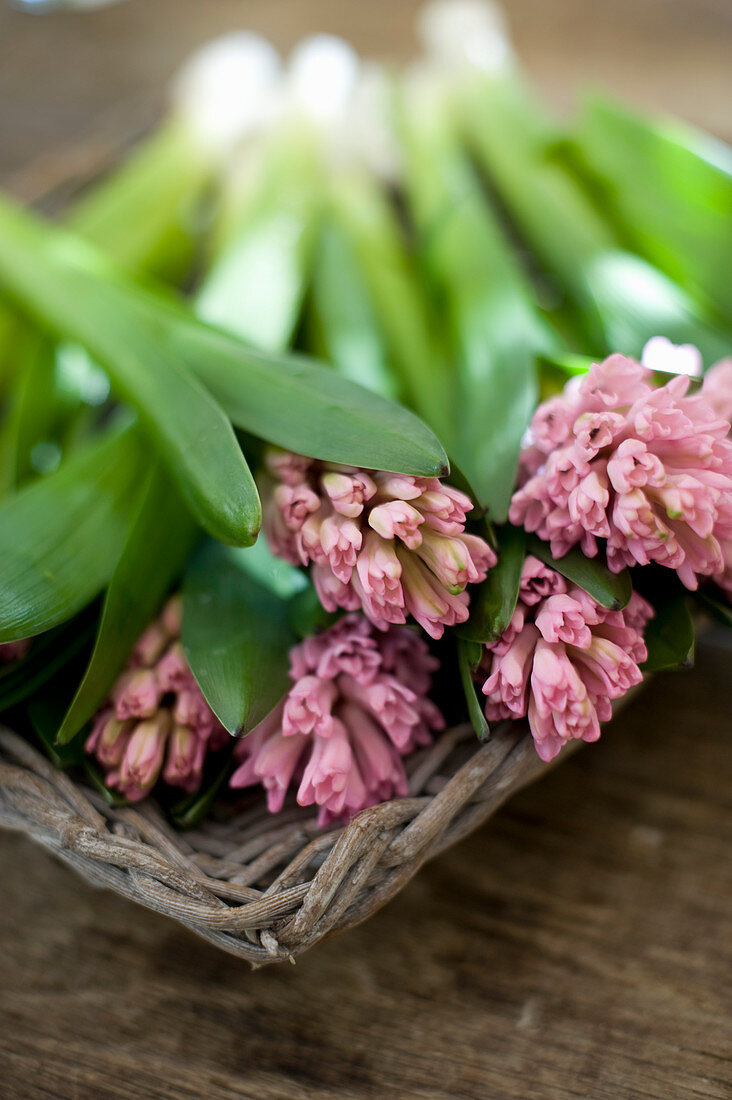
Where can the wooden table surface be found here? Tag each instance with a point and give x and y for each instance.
(579, 945)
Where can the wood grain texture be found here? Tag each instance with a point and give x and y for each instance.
(578, 946)
(68, 76)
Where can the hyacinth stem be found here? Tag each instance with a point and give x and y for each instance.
(493, 327)
(142, 214)
(416, 350)
(265, 238)
(511, 137)
(342, 323)
(469, 655)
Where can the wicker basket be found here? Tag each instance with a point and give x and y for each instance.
(259, 886)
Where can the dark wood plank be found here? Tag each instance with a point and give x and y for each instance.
(65, 76)
(577, 946)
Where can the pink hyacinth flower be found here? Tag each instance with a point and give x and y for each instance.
(140, 765)
(14, 651)
(357, 705)
(717, 388)
(390, 544)
(562, 660)
(647, 469)
(157, 723)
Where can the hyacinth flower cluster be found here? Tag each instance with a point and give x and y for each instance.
(562, 660)
(646, 468)
(358, 704)
(388, 544)
(717, 389)
(156, 723)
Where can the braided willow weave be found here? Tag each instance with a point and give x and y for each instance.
(267, 887)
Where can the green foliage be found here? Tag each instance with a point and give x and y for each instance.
(493, 327)
(670, 636)
(469, 655)
(69, 290)
(160, 538)
(622, 299)
(342, 316)
(61, 537)
(669, 189)
(612, 590)
(236, 636)
(492, 604)
(49, 654)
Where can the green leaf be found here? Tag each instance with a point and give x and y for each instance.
(61, 536)
(141, 213)
(612, 590)
(49, 653)
(150, 339)
(492, 604)
(307, 614)
(160, 538)
(637, 301)
(343, 315)
(96, 778)
(48, 704)
(256, 288)
(670, 636)
(71, 291)
(43, 715)
(622, 299)
(569, 364)
(720, 611)
(278, 576)
(236, 636)
(264, 236)
(469, 655)
(33, 407)
(414, 343)
(303, 406)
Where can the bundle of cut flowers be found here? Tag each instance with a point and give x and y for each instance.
(438, 432)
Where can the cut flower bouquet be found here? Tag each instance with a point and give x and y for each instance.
(494, 484)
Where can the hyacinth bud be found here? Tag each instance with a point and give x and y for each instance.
(14, 651)
(152, 644)
(143, 757)
(456, 33)
(171, 617)
(322, 74)
(227, 90)
(184, 758)
(108, 738)
(661, 355)
(172, 671)
(157, 723)
(717, 388)
(136, 694)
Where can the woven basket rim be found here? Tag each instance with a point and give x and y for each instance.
(267, 887)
